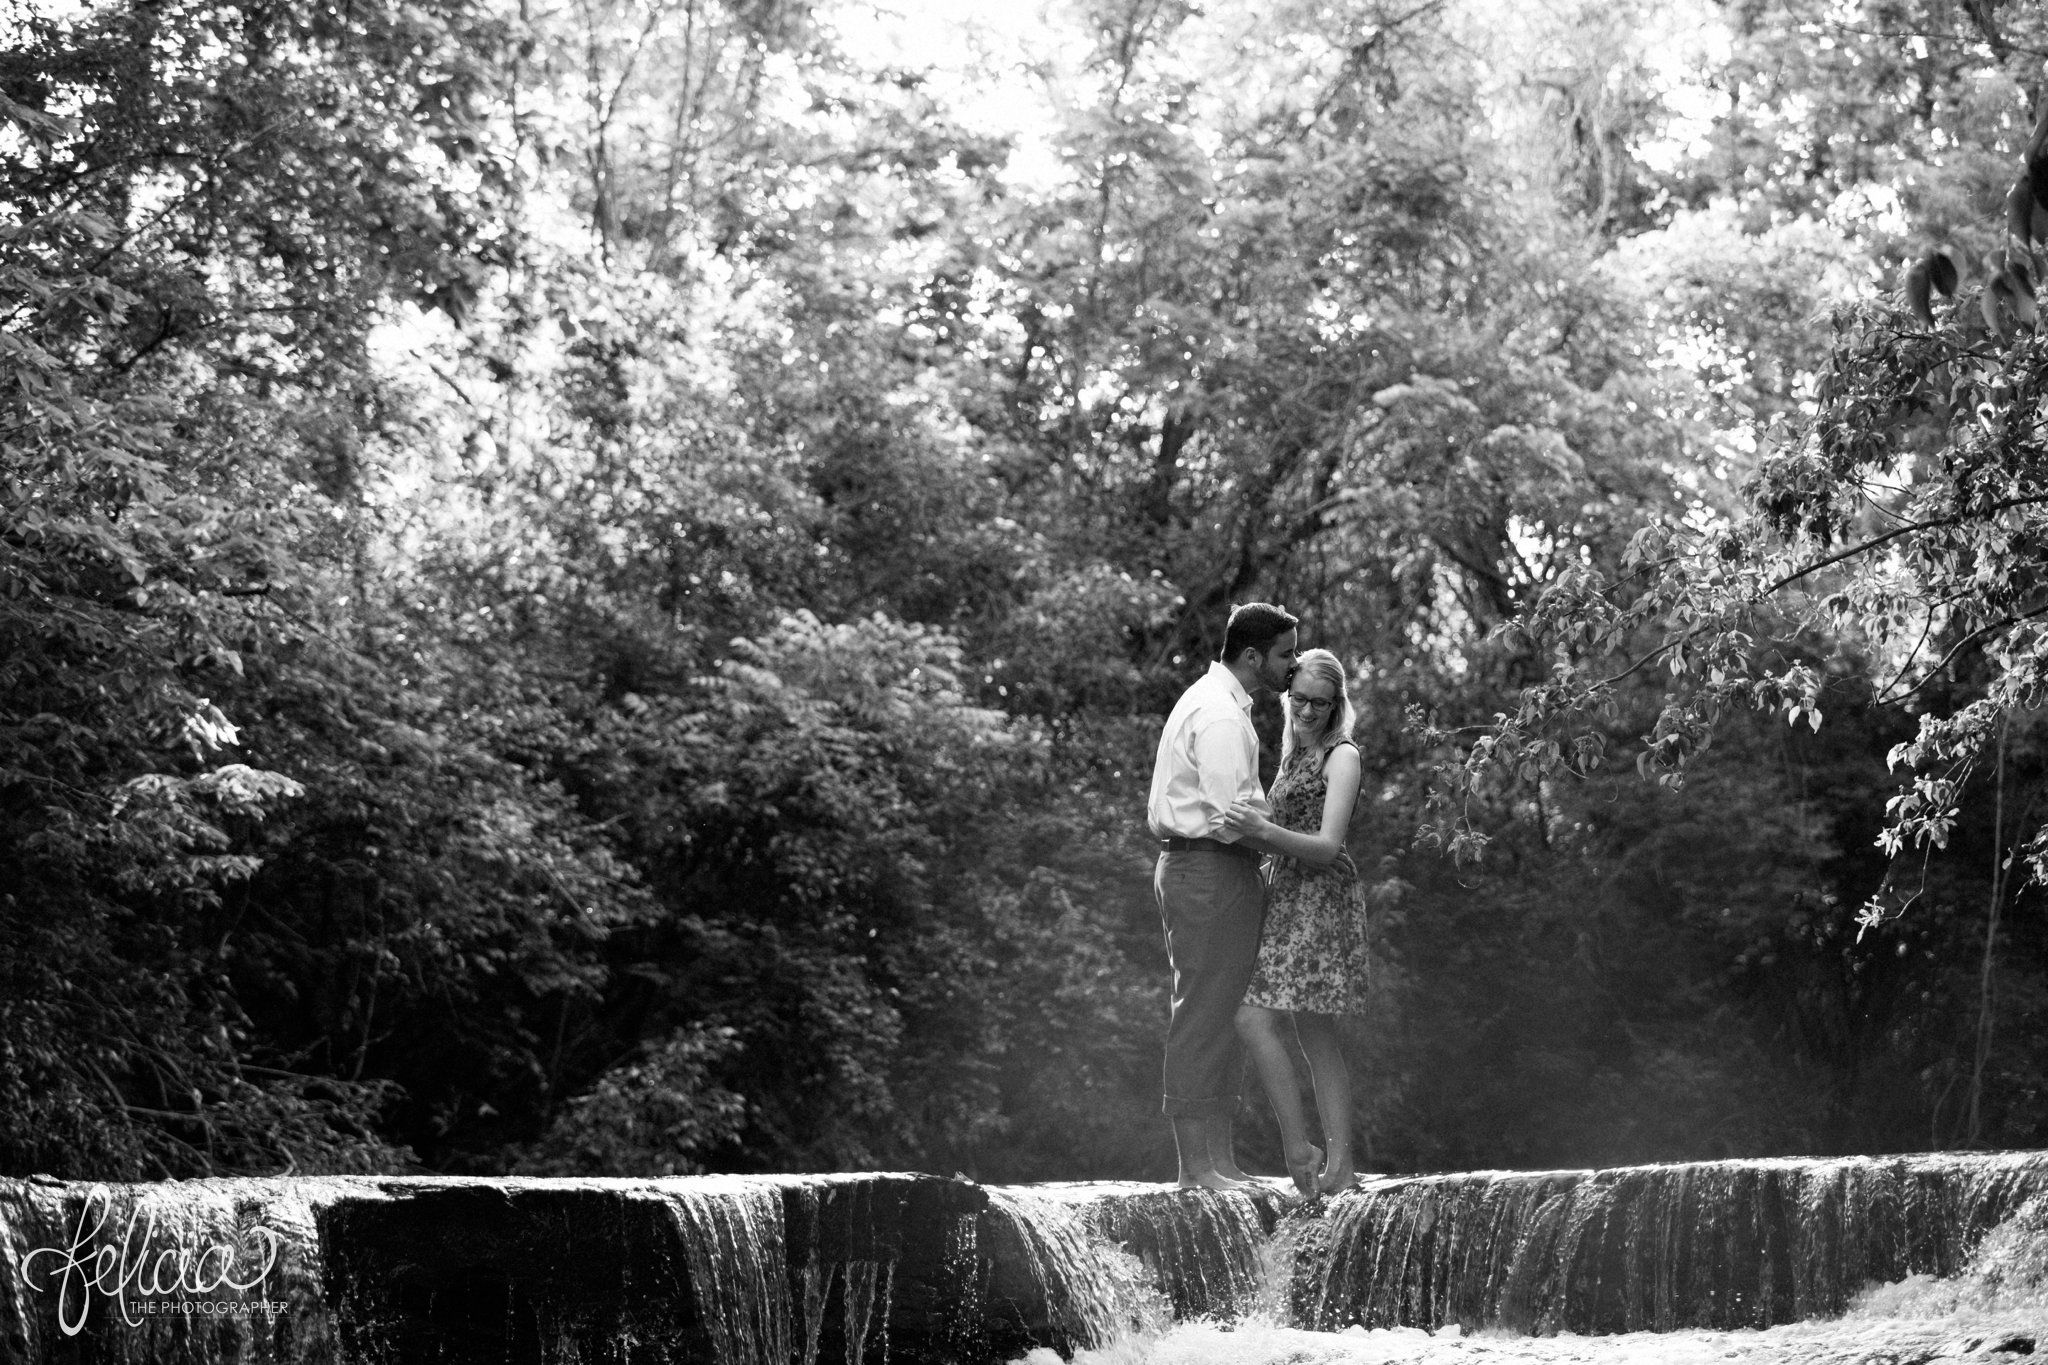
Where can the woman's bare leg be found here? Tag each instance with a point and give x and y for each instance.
(1274, 1062)
(1332, 1079)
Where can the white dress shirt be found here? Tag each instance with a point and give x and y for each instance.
(1208, 760)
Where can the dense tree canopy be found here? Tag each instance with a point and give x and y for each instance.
(590, 590)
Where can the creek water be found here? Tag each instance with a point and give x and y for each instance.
(855, 1269)
(1652, 1248)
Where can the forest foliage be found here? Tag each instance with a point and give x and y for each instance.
(590, 590)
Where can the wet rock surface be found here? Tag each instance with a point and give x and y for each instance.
(799, 1270)
(1650, 1248)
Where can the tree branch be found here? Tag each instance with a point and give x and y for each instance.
(1999, 45)
(1895, 533)
(1955, 649)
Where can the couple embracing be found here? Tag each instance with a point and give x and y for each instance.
(1264, 914)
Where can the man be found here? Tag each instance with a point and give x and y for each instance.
(1207, 883)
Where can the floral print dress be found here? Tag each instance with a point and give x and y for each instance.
(1313, 954)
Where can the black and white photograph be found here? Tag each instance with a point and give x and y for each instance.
(1023, 682)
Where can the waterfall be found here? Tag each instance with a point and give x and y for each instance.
(875, 1269)
(1082, 1292)
(726, 1270)
(1712, 1244)
(729, 1234)
(194, 1273)
(1203, 1253)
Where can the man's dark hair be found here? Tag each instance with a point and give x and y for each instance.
(1255, 625)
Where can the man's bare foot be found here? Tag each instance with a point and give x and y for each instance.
(1303, 1171)
(1223, 1152)
(1211, 1180)
(1225, 1161)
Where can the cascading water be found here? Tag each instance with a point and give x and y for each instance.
(1203, 1255)
(201, 1271)
(859, 1269)
(1091, 1293)
(1716, 1244)
(730, 1236)
(724, 1270)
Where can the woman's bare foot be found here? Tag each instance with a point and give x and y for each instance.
(1303, 1170)
(1338, 1173)
(1211, 1180)
(1335, 1178)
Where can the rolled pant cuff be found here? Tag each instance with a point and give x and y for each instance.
(1217, 1107)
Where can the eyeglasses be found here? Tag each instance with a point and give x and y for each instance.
(1315, 706)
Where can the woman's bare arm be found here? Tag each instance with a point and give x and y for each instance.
(1320, 849)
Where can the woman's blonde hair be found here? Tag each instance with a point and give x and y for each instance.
(1322, 666)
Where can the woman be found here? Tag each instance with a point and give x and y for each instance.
(1312, 959)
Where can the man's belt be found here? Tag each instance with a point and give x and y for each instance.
(1176, 844)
